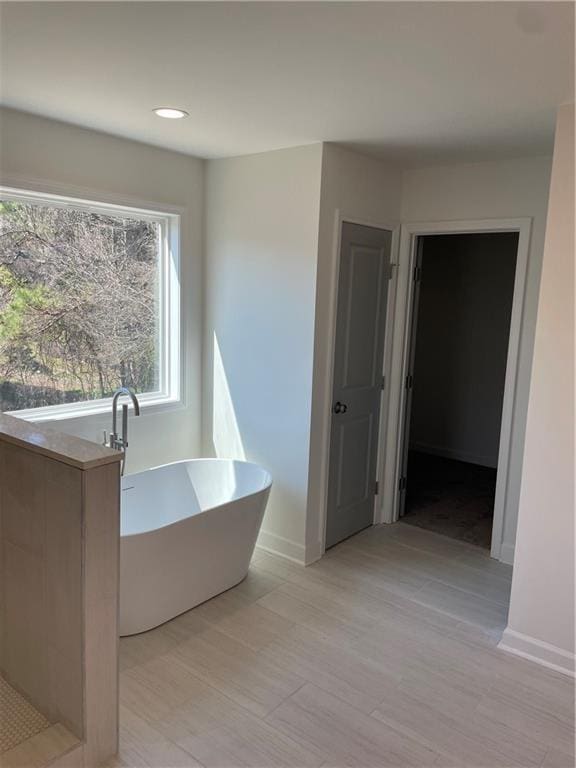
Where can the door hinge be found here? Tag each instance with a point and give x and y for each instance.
(409, 381)
(417, 274)
(383, 381)
(391, 270)
(402, 484)
(376, 488)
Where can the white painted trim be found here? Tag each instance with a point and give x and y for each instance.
(87, 195)
(278, 545)
(150, 402)
(538, 651)
(341, 217)
(379, 513)
(507, 553)
(510, 386)
(391, 440)
(454, 453)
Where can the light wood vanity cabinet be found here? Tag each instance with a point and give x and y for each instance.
(59, 570)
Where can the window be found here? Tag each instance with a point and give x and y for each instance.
(89, 301)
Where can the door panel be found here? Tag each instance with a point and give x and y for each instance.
(364, 266)
(354, 439)
(360, 327)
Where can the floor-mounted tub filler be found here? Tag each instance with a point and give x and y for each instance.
(188, 531)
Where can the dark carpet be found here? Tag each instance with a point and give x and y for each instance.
(450, 497)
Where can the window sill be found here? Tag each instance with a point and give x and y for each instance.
(149, 404)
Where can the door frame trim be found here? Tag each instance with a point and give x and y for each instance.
(390, 438)
(340, 218)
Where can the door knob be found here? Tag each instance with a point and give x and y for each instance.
(340, 407)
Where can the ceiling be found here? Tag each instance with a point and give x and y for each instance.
(419, 82)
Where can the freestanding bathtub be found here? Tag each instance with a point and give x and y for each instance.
(188, 532)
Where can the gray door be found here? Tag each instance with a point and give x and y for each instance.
(360, 326)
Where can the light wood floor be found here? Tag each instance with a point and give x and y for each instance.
(381, 654)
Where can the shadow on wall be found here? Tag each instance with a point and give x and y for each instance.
(225, 431)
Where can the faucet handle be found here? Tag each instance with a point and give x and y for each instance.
(105, 438)
(124, 425)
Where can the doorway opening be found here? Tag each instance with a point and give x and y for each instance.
(458, 347)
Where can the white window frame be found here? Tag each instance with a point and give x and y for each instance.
(169, 394)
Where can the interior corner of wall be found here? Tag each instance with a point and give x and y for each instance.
(282, 547)
(538, 651)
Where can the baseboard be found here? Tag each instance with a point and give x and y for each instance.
(278, 545)
(452, 453)
(313, 553)
(507, 553)
(538, 651)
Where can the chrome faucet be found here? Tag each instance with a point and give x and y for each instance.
(120, 443)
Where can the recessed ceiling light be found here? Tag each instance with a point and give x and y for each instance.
(170, 113)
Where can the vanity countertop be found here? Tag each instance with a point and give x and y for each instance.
(68, 449)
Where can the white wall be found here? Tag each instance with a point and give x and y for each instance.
(462, 337)
(269, 287)
(504, 189)
(541, 618)
(45, 155)
(261, 249)
(366, 190)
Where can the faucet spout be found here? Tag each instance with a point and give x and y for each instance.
(121, 442)
(117, 394)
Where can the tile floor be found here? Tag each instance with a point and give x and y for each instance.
(381, 654)
(27, 738)
(19, 720)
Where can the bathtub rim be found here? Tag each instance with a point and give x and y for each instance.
(265, 489)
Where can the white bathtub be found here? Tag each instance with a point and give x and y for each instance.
(188, 532)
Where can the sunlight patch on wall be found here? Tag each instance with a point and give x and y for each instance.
(225, 432)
